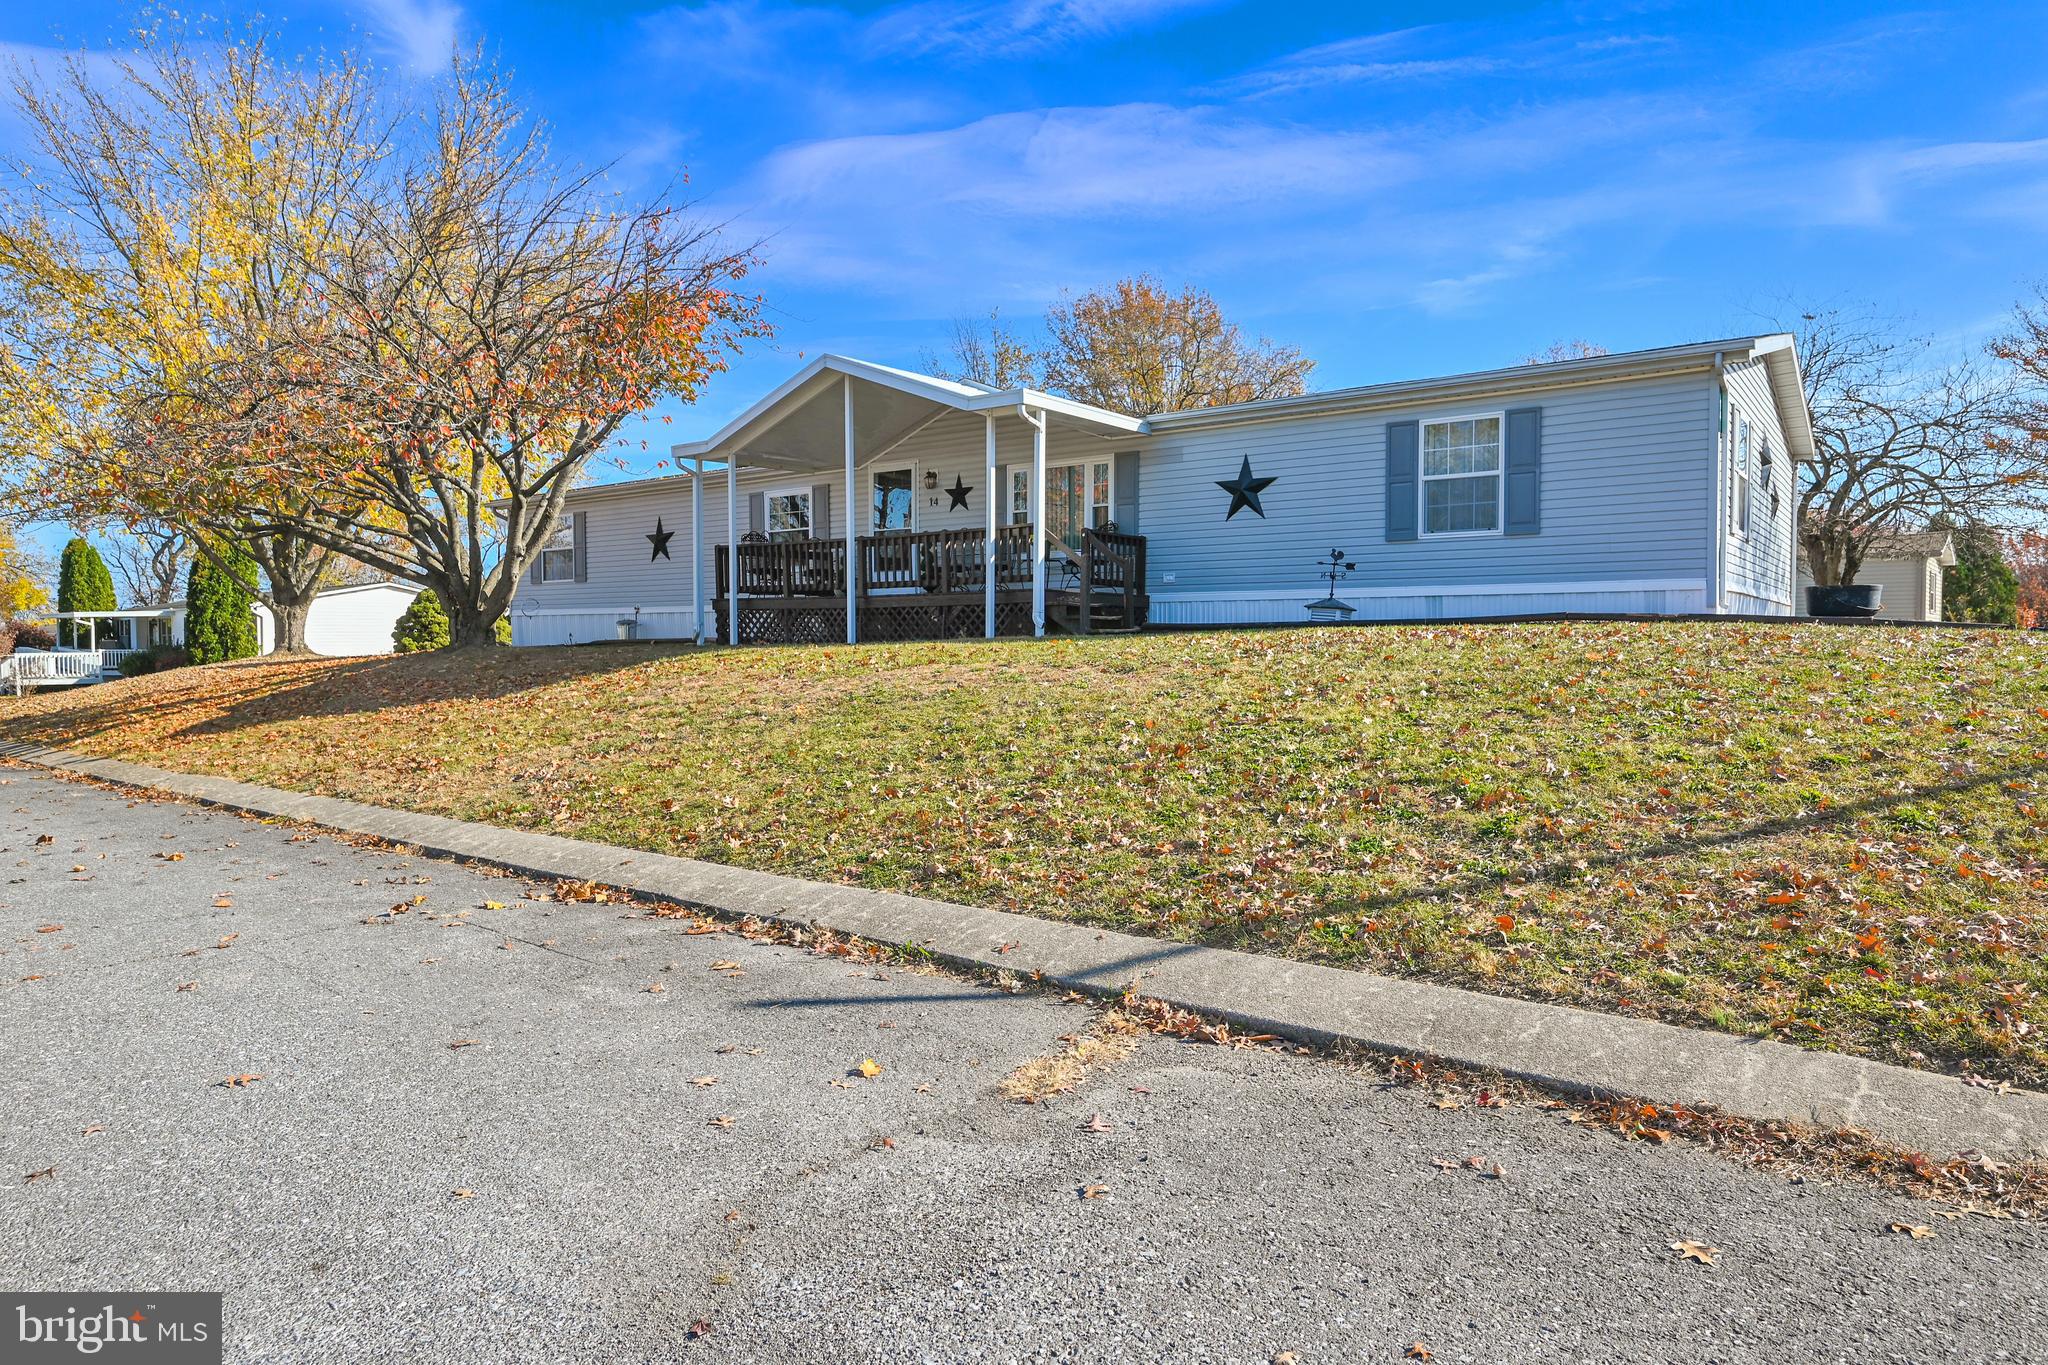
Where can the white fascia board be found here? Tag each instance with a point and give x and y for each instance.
(1563, 374)
(1780, 354)
(1062, 407)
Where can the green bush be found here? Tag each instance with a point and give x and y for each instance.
(220, 618)
(83, 584)
(155, 659)
(424, 626)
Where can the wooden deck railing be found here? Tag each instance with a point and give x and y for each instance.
(942, 561)
(896, 569)
(787, 568)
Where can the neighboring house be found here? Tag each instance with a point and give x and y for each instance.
(1655, 481)
(1909, 566)
(347, 620)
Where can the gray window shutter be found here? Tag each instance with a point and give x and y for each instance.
(533, 569)
(581, 522)
(757, 514)
(1401, 480)
(1522, 473)
(1124, 511)
(821, 511)
(1001, 493)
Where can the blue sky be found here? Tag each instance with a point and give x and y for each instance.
(1400, 190)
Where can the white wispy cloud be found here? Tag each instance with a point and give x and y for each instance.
(996, 26)
(422, 33)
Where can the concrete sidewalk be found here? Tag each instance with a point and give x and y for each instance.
(1570, 1049)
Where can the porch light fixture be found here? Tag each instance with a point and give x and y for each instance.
(931, 480)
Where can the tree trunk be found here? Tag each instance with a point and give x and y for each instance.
(471, 629)
(290, 614)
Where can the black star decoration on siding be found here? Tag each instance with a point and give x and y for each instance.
(958, 493)
(660, 540)
(1244, 490)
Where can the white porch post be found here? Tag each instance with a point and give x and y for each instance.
(1037, 520)
(852, 565)
(732, 548)
(697, 545)
(989, 565)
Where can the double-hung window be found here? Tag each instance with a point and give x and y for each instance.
(1461, 476)
(558, 556)
(789, 515)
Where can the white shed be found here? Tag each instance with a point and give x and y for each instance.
(352, 620)
(1909, 566)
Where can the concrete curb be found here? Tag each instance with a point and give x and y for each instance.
(1553, 1045)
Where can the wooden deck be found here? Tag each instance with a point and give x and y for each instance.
(928, 585)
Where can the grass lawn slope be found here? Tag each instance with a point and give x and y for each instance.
(1832, 836)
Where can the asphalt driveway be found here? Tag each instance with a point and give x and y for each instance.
(479, 1134)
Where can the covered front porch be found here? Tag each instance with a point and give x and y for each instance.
(1047, 552)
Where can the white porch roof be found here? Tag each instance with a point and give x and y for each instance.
(801, 423)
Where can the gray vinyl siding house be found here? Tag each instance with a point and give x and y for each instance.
(1649, 482)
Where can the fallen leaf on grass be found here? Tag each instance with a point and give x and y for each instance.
(42, 839)
(703, 1080)
(188, 985)
(460, 1043)
(699, 1328)
(37, 977)
(657, 989)
(1097, 1124)
(1417, 1351)
(48, 928)
(236, 1082)
(464, 1193)
(843, 1085)
(1913, 1230)
(1695, 1251)
(1094, 1191)
(494, 905)
(225, 940)
(870, 1068)
(47, 1173)
(1444, 1102)
(722, 1121)
(92, 1128)
(172, 857)
(78, 867)
(1286, 1358)
(724, 966)
(223, 902)
(1445, 1164)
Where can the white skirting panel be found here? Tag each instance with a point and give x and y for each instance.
(581, 627)
(1222, 609)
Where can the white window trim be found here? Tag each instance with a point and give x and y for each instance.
(916, 491)
(785, 490)
(565, 532)
(1423, 480)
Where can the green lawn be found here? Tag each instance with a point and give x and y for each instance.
(1832, 836)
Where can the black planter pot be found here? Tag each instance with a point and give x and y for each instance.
(1853, 599)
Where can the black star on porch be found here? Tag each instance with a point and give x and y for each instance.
(958, 493)
(1244, 490)
(660, 540)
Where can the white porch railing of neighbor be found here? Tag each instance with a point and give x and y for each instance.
(26, 668)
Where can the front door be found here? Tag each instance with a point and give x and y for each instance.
(1076, 497)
